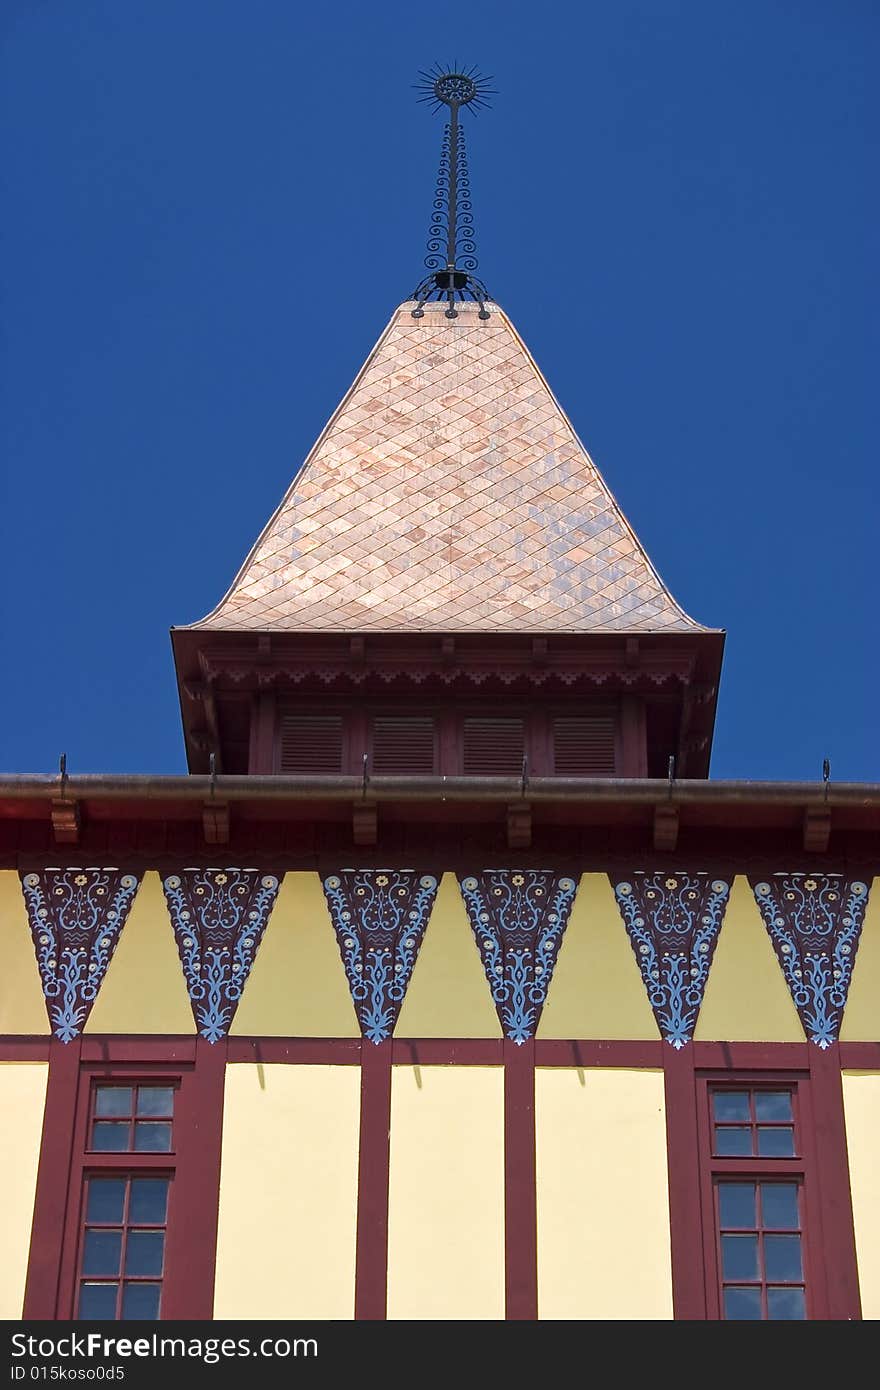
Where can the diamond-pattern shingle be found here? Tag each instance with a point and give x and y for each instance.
(449, 493)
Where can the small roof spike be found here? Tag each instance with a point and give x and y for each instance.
(451, 258)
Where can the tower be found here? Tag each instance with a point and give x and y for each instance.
(446, 984)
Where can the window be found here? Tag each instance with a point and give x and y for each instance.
(402, 745)
(123, 1246)
(121, 1255)
(132, 1119)
(757, 1201)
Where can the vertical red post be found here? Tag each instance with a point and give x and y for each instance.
(53, 1181)
(685, 1180)
(371, 1264)
(192, 1231)
(835, 1198)
(520, 1178)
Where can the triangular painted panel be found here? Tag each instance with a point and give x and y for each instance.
(518, 917)
(815, 921)
(673, 920)
(218, 916)
(75, 917)
(379, 916)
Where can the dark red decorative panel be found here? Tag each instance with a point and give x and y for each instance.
(218, 916)
(815, 921)
(379, 916)
(518, 917)
(673, 920)
(75, 917)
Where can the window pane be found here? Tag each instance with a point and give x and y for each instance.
(140, 1301)
(106, 1200)
(149, 1201)
(782, 1257)
(776, 1143)
(742, 1304)
(731, 1105)
(143, 1252)
(152, 1138)
(733, 1141)
(97, 1301)
(155, 1100)
(779, 1205)
(773, 1105)
(739, 1257)
(736, 1201)
(113, 1100)
(102, 1251)
(786, 1303)
(109, 1136)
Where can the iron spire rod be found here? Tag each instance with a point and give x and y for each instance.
(451, 257)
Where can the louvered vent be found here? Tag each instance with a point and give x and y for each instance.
(311, 743)
(403, 747)
(584, 747)
(493, 747)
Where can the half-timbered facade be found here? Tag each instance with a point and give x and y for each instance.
(446, 984)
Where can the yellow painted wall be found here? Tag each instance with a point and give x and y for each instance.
(596, 990)
(297, 986)
(861, 1104)
(22, 1098)
(861, 1020)
(448, 995)
(22, 1007)
(747, 999)
(603, 1205)
(288, 1192)
(446, 1199)
(144, 989)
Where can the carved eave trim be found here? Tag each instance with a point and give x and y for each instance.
(666, 674)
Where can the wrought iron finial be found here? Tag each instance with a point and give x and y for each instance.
(451, 257)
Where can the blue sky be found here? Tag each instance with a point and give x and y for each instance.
(212, 206)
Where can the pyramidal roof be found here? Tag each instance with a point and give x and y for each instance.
(449, 493)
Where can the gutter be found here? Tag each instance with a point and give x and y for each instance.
(581, 790)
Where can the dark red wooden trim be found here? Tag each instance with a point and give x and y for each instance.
(134, 1050)
(520, 1178)
(832, 1169)
(53, 1181)
(427, 1052)
(192, 1227)
(856, 1056)
(552, 1052)
(741, 1056)
(24, 1048)
(683, 1160)
(371, 1262)
(302, 1051)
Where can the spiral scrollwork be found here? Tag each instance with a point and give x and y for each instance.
(75, 917)
(379, 917)
(518, 917)
(219, 917)
(814, 922)
(673, 921)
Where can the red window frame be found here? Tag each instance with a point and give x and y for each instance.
(198, 1068)
(87, 1162)
(800, 1169)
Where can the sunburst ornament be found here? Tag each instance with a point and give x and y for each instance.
(455, 86)
(451, 257)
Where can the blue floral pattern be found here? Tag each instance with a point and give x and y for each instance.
(75, 918)
(379, 917)
(518, 917)
(219, 917)
(673, 921)
(814, 922)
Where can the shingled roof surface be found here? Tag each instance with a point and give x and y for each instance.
(448, 493)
